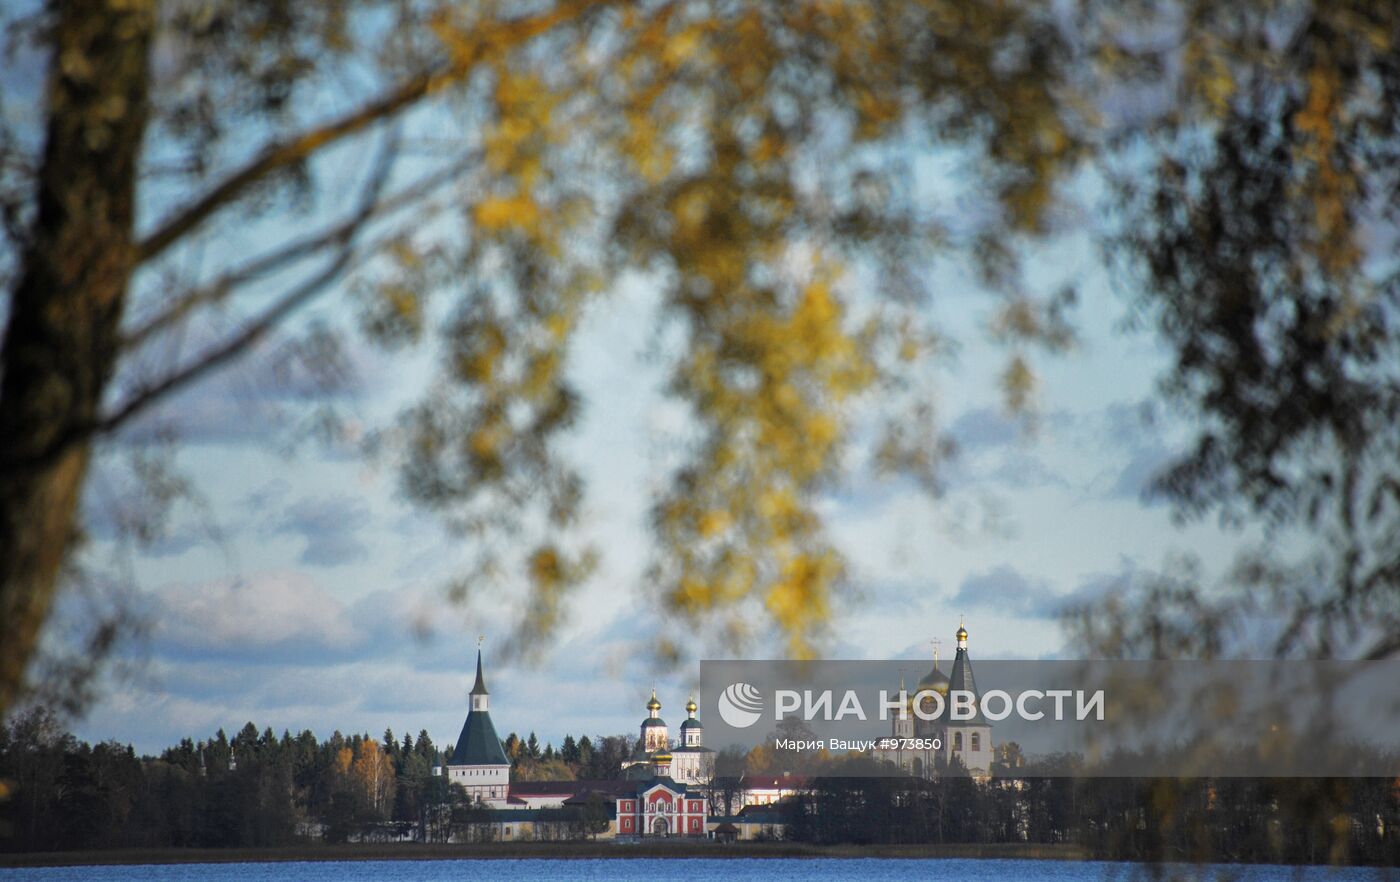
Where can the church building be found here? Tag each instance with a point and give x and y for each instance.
(662, 807)
(968, 742)
(479, 763)
(689, 761)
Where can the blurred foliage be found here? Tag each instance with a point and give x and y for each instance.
(1253, 163)
(745, 157)
(755, 159)
(753, 163)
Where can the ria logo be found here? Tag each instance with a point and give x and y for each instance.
(740, 705)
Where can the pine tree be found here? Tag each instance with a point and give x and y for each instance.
(247, 736)
(568, 751)
(425, 746)
(585, 756)
(390, 746)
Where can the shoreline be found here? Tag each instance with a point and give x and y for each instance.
(533, 850)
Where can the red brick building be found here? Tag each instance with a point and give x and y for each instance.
(661, 807)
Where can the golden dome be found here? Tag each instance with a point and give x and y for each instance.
(935, 680)
(653, 704)
(962, 633)
(690, 706)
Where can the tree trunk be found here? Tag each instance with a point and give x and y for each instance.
(62, 341)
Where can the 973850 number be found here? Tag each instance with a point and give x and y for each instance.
(911, 744)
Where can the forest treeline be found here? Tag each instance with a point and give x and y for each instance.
(1347, 821)
(254, 789)
(260, 789)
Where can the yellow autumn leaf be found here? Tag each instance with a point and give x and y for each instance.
(712, 523)
(506, 212)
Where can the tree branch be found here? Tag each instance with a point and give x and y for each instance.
(1383, 648)
(275, 157)
(274, 314)
(282, 154)
(298, 249)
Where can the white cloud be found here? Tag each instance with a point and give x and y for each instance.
(273, 610)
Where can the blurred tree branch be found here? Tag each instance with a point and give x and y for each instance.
(750, 159)
(278, 310)
(298, 148)
(216, 291)
(63, 338)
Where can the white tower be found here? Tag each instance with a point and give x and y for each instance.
(479, 763)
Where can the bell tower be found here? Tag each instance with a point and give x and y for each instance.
(654, 734)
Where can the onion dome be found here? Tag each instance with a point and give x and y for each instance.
(653, 704)
(662, 757)
(962, 633)
(690, 722)
(935, 681)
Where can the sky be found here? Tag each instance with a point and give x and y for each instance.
(300, 590)
(304, 592)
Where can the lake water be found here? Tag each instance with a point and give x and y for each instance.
(687, 870)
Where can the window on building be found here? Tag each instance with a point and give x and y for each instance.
(957, 741)
(976, 740)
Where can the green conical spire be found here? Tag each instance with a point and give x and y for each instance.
(480, 686)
